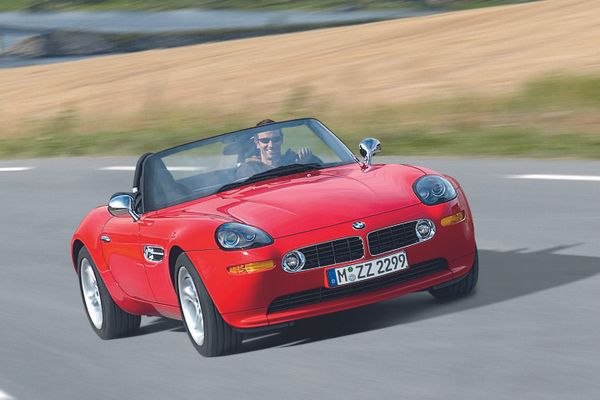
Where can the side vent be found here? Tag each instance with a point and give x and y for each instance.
(154, 253)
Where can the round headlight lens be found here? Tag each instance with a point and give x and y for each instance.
(438, 189)
(230, 239)
(232, 235)
(425, 229)
(293, 261)
(434, 189)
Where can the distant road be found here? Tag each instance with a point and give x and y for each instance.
(530, 331)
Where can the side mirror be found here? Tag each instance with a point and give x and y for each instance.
(368, 148)
(121, 204)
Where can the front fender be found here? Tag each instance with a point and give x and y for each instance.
(88, 235)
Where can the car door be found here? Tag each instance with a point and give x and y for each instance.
(124, 255)
(155, 234)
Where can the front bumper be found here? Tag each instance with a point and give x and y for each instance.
(245, 301)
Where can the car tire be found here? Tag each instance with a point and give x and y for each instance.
(107, 319)
(208, 332)
(460, 288)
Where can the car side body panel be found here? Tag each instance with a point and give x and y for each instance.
(88, 233)
(171, 232)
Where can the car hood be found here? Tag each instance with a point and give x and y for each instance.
(311, 200)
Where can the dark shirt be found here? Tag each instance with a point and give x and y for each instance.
(254, 165)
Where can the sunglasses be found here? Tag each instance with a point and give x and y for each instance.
(274, 139)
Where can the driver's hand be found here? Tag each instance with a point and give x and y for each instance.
(304, 154)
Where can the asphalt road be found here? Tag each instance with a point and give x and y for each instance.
(530, 331)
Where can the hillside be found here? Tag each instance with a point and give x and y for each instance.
(484, 51)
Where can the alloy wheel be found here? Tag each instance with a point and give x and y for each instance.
(91, 293)
(190, 305)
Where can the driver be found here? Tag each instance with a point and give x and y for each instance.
(268, 143)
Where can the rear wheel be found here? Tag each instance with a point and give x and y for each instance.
(460, 288)
(209, 333)
(107, 319)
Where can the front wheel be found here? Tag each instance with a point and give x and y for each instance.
(460, 288)
(209, 333)
(108, 320)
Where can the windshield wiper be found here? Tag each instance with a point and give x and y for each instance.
(272, 173)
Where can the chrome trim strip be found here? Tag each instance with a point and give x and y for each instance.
(404, 247)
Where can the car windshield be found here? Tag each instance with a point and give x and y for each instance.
(223, 162)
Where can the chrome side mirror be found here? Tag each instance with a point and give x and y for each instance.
(121, 204)
(368, 148)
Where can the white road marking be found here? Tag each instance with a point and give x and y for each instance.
(583, 178)
(14, 169)
(117, 168)
(132, 168)
(5, 396)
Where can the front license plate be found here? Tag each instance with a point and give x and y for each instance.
(367, 270)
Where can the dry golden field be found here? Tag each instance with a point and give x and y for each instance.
(482, 52)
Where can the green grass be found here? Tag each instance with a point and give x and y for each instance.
(6, 5)
(551, 117)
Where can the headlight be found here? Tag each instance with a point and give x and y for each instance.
(232, 235)
(433, 189)
(293, 261)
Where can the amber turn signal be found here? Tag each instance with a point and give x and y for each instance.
(251, 267)
(453, 219)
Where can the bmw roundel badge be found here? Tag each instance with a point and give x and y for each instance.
(358, 225)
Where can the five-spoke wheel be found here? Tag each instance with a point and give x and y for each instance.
(209, 333)
(91, 293)
(190, 305)
(108, 320)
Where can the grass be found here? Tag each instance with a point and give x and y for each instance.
(8, 5)
(551, 117)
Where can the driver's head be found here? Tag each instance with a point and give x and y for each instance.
(268, 142)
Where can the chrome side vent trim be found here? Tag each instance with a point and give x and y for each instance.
(154, 253)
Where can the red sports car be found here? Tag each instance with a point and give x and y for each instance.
(255, 229)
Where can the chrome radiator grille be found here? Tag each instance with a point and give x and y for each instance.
(392, 238)
(334, 252)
